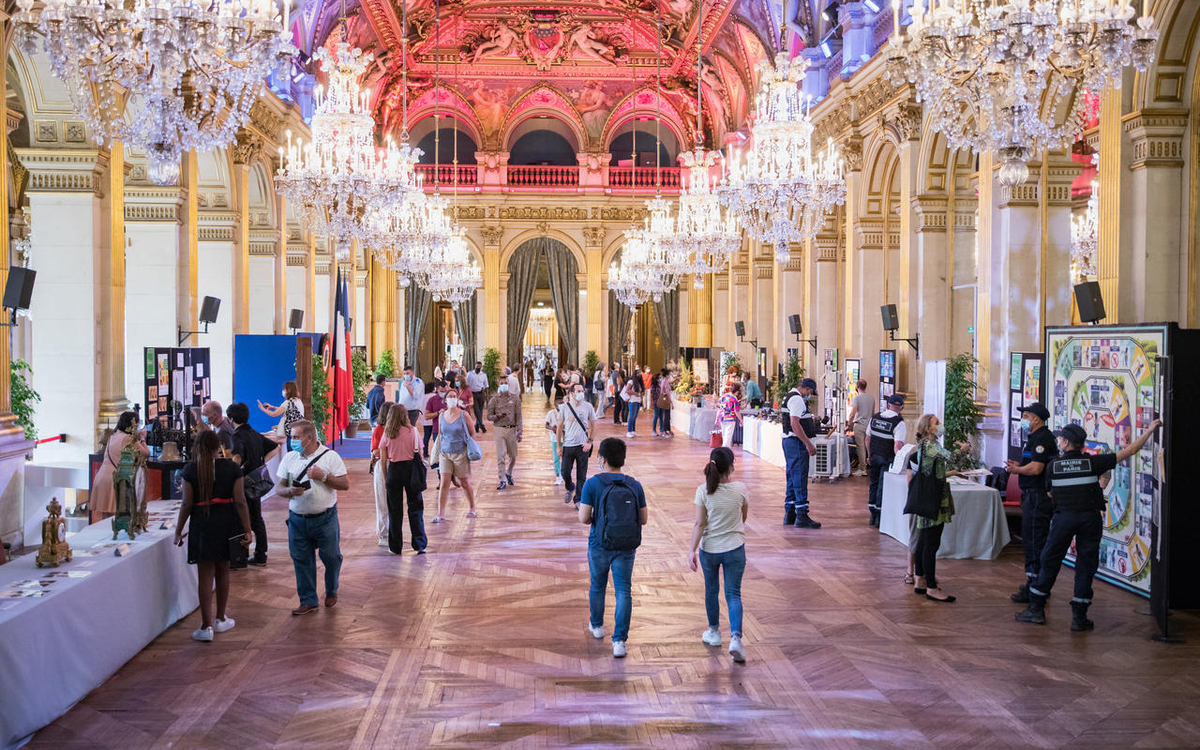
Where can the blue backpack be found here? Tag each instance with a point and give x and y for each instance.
(619, 518)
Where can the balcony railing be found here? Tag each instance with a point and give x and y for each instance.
(443, 174)
(542, 176)
(645, 178)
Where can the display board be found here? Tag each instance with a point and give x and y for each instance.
(1108, 383)
(887, 375)
(175, 378)
(261, 365)
(853, 372)
(1024, 388)
(700, 371)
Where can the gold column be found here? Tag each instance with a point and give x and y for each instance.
(241, 247)
(310, 285)
(595, 299)
(7, 421)
(700, 313)
(112, 295)
(188, 268)
(983, 269)
(1108, 260)
(280, 266)
(492, 335)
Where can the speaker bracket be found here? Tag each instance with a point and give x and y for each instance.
(185, 335)
(914, 342)
(12, 319)
(810, 342)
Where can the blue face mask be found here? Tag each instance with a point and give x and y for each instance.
(204, 419)
(294, 444)
(1025, 425)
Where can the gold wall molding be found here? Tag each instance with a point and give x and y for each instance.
(297, 261)
(156, 205)
(65, 171)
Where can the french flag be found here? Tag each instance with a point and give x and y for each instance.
(341, 382)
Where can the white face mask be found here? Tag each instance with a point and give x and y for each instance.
(578, 396)
(503, 388)
(451, 402)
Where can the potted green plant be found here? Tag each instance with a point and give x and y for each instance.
(360, 376)
(961, 414)
(591, 361)
(23, 396)
(793, 373)
(491, 366)
(321, 406)
(386, 366)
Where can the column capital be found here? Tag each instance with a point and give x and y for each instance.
(491, 235)
(931, 212)
(1157, 137)
(901, 123)
(160, 205)
(246, 148)
(593, 236)
(852, 154)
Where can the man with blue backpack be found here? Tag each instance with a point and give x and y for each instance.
(614, 505)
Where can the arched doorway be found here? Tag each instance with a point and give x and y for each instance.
(437, 332)
(543, 302)
(647, 336)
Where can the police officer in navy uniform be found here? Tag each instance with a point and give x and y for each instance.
(798, 430)
(886, 434)
(1036, 507)
(1078, 513)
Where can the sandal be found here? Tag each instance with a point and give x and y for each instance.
(472, 514)
(438, 519)
(909, 579)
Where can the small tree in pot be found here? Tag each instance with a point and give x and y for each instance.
(961, 415)
(360, 376)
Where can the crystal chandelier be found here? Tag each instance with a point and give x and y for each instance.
(1009, 76)
(783, 191)
(705, 238)
(340, 176)
(453, 275)
(1085, 233)
(197, 67)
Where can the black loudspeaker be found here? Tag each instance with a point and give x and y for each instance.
(891, 321)
(794, 324)
(19, 289)
(208, 310)
(1087, 298)
(296, 320)
(739, 328)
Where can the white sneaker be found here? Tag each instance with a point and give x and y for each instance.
(220, 626)
(735, 649)
(596, 631)
(629, 434)
(711, 637)
(204, 635)
(558, 480)
(619, 650)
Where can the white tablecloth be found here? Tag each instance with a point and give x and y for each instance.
(696, 423)
(56, 649)
(977, 530)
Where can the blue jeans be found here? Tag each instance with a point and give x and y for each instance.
(307, 538)
(600, 561)
(634, 407)
(734, 562)
(554, 455)
(796, 456)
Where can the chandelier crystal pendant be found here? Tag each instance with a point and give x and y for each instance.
(340, 176)
(783, 191)
(196, 68)
(1009, 76)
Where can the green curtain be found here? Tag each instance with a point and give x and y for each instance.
(465, 320)
(564, 289)
(620, 318)
(666, 313)
(522, 281)
(419, 301)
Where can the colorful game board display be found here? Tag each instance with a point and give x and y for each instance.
(1107, 382)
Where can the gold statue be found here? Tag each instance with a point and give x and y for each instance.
(54, 549)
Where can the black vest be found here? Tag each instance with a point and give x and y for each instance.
(1040, 447)
(881, 432)
(806, 418)
(1075, 482)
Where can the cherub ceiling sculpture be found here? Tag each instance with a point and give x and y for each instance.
(592, 64)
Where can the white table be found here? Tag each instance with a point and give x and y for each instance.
(56, 649)
(696, 423)
(978, 529)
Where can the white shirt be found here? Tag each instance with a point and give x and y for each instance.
(411, 401)
(477, 381)
(796, 407)
(514, 384)
(552, 424)
(321, 497)
(900, 434)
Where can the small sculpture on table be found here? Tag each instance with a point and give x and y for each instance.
(54, 549)
(131, 512)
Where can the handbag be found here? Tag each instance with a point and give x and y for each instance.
(714, 439)
(417, 479)
(474, 452)
(435, 451)
(924, 493)
(664, 399)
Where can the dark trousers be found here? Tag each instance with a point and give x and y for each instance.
(398, 486)
(428, 440)
(577, 456)
(795, 456)
(477, 406)
(664, 419)
(1036, 510)
(619, 410)
(240, 555)
(925, 555)
(878, 467)
(548, 386)
(1085, 526)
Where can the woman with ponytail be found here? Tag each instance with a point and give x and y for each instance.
(214, 501)
(719, 542)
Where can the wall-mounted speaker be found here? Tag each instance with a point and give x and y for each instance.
(296, 320)
(794, 324)
(891, 321)
(209, 309)
(1087, 298)
(739, 328)
(19, 290)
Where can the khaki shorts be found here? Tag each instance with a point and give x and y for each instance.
(455, 465)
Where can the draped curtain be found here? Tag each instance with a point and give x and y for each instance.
(465, 320)
(522, 281)
(667, 315)
(564, 289)
(418, 303)
(620, 319)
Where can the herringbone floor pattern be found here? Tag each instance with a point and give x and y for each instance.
(481, 643)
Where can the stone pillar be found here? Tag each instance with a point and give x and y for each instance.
(854, 308)
(963, 283)
(789, 283)
(218, 255)
(869, 290)
(764, 315)
(906, 126)
(931, 305)
(594, 323)
(823, 325)
(297, 284)
(1111, 263)
(493, 169)
(244, 151)
(718, 296)
(310, 285)
(700, 314)
(493, 331)
(1058, 172)
(739, 309)
(111, 308)
(593, 169)
(187, 269)
(279, 267)
(1160, 281)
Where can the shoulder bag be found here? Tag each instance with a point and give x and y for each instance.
(924, 492)
(582, 426)
(417, 480)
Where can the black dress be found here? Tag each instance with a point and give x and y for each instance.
(211, 526)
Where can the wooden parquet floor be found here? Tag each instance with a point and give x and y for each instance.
(481, 643)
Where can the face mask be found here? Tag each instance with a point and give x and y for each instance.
(503, 388)
(408, 378)
(578, 396)
(941, 430)
(294, 444)
(204, 418)
(451, 402)
(1025, 425)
